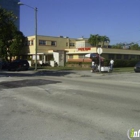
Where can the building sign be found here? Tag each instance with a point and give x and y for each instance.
(84, 49)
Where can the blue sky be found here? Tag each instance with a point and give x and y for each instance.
(117, 19)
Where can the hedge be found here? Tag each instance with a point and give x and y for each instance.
(125, 63)
(117, 63)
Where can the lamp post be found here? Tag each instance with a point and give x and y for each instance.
(35, 9)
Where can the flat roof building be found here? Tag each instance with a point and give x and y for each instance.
(75, 49)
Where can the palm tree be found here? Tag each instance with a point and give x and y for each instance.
(104, 39)
(94, 40)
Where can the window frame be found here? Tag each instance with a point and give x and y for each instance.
(53, 43)
(72, 44)
(43, 42)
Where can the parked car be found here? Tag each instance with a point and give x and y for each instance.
(137, 67)
(3, 64)
(18, 65)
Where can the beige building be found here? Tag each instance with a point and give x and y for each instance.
(47, 45)
(73, 49)
(108, 53)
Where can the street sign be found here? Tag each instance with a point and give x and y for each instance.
(100, 50)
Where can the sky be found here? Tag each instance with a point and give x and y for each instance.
(117, 19)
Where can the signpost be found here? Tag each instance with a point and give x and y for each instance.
(99, 51)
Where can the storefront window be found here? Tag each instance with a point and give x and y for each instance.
(126, 56)
(119, 56)
(111, 56)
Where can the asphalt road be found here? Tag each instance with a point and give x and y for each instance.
(68, 105)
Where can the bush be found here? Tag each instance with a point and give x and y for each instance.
(78, 64)
(125, 63)
(117, 63)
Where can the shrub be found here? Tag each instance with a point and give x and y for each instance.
(125, 63)
(117, 63)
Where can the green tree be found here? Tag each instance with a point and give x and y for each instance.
(118, 46)
(104, 39)
(134, 47)
(7, 27)
(17, 44)
(131, 46)
(11, 40)
(94, 40)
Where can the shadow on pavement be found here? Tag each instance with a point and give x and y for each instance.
(25, 83)
(35, 73)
